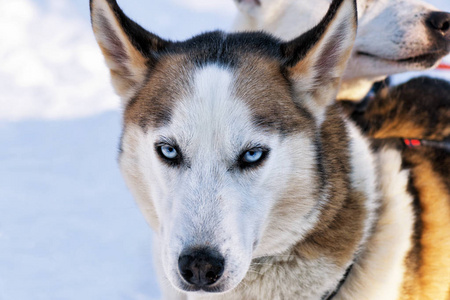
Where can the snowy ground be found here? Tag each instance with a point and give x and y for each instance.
(68, 227)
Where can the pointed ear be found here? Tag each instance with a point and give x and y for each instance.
(316, 60)
(247, 6)
(129, 49)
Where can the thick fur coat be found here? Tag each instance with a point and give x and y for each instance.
(255, 183)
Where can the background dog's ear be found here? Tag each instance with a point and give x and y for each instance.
(246, 6)
(316, 60)
(129, 49)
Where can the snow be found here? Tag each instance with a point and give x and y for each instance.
(69, 228)
(51, 66)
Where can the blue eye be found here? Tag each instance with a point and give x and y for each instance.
(252, 156)
(169, 152)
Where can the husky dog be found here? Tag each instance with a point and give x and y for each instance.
(415, 117)
(256, 185)
(394, 36)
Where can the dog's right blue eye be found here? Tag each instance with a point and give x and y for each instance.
(169, 152)
(253, 157)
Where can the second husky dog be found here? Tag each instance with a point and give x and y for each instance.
(394, 36)
(256, 185)
(415, 118)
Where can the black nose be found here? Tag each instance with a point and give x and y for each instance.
(201, 267)
(439, 21)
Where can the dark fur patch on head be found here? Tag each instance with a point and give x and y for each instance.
(255, 57)
(167, 83)
(237, 51)
(262, 86)
(227, 49)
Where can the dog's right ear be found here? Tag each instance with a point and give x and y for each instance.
(129, 49)
(316, 60)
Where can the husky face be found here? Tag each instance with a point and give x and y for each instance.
(220, 138)
(394, 36)
(230, 170)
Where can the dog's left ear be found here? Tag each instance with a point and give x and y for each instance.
(130, 50)
(316, 60)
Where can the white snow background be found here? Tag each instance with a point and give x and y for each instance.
(69, 228)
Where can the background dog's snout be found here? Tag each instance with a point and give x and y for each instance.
(201, 267)
(439, 21)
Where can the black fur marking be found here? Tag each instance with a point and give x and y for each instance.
(341, 283)
(227, 49)
(217, 47)
(145, 42)
(414, 254)
(424, 101)
(323, 177)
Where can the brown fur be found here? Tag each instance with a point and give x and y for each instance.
(337, 231)
(432, 281)
(420, 109)
(165, 83)
(417, 109)
(270, 82)
(272, 107)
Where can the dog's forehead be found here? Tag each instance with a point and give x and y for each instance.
(256, 79)
(212, 117)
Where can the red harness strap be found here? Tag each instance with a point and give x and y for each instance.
(411, 143)
(444, 66)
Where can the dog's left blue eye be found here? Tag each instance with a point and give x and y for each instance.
(169, 152)
(252, 156)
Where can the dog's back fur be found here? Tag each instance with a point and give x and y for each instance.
(415, 118)
(255, 183)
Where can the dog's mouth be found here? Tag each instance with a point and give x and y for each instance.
(426, 60)
(215, 289)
